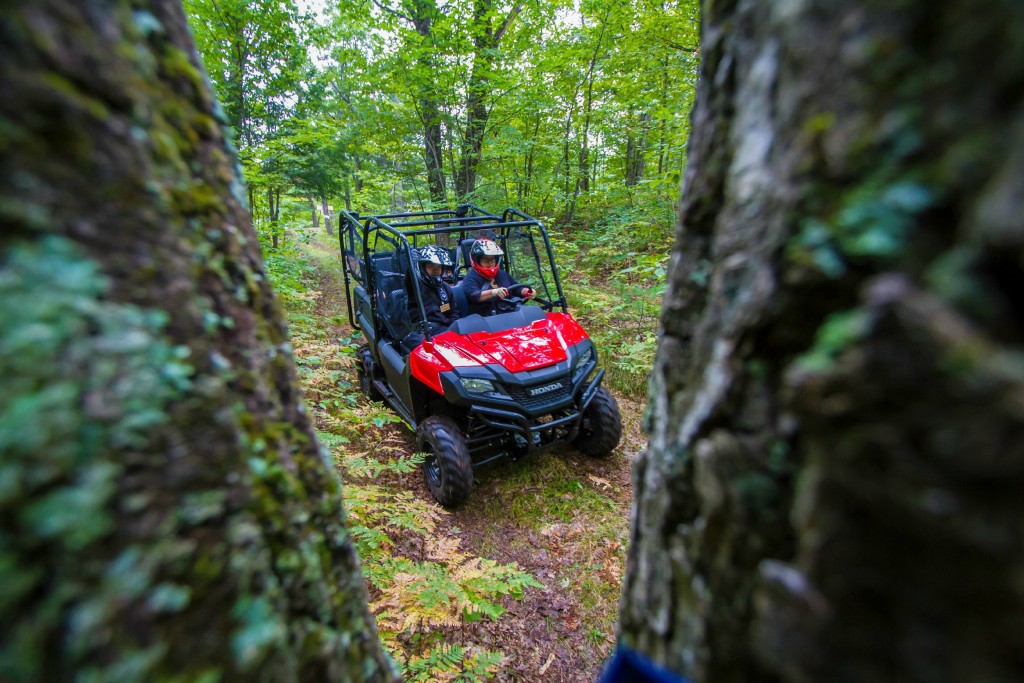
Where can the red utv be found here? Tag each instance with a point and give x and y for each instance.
(504, 385)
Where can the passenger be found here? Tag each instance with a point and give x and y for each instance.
(433, 266)
(486, 284)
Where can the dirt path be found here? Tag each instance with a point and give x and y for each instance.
(560, 516)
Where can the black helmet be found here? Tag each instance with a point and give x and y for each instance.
(438, 256)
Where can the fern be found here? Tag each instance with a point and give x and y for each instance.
(447, 592)
(454, 664)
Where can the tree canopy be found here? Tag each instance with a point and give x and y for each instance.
(557, 108)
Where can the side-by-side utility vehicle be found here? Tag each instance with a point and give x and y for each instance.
(506, 384)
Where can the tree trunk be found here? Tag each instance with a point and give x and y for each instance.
(566, 163)
(636, 151)
(583, 181)
(327, 215)
(423, 12)
(432, 153)
(165, 510)
(273, 213)
(661, 123)
(313, 212)
(831, 490)
(359, 174)
(529, 160)
(485, 42)
(476, 94)
(476, 124)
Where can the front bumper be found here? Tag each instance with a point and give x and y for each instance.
(540, 432)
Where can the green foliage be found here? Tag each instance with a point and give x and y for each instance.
(577, 109)
(616, 295)
(288, 271)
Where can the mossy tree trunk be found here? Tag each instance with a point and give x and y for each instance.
(832, 487)
(165, 510)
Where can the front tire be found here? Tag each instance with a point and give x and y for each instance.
(602, 426)
(448, 469)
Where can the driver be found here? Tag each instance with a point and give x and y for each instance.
(434, 268)
(486, 284)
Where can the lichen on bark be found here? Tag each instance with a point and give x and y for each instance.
(165, 512)
(835, 418)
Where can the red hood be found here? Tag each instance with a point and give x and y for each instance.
(533, 346)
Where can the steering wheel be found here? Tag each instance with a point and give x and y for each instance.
(514, 301)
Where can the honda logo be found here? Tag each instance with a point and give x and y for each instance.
(547, 388)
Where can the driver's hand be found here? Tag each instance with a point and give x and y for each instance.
(527, 293)
(501, 293)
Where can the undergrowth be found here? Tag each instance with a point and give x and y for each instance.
(614, 282)
(423, 587)
(575, 521)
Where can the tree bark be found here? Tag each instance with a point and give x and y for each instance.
(485, 41)
(165, 510)
(274, 213)
(831, 490)
(327, 216)
(528, 185)
(636, 151)
(359, 172)
(432, 150)
(422, 17)
(583, 181)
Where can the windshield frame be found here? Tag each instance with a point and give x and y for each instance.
(402, 232)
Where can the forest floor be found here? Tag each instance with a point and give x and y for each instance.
(559, 516)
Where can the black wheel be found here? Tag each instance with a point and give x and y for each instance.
(602, 426)
(447, 469)
(365, 370)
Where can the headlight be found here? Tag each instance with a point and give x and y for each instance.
(478, 386)
(584, 363)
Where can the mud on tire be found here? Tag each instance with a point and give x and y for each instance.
(602, 426)
(447, 470)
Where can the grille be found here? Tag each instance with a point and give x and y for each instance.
(521, 395)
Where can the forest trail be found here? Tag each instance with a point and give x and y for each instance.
(559, 516)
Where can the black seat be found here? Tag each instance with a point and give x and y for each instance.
(393, 304)
(385, 261)
(461, 302)
(464, 247)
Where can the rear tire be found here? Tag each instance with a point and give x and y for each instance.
(602, 426)
(365, 370)
(448, 469)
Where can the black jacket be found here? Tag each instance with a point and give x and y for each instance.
(475, 283)
(439, 303)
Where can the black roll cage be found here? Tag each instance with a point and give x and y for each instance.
(464, 218)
